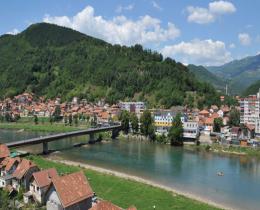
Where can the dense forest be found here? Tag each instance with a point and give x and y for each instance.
(51, 61)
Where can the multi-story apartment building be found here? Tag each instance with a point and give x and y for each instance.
(191, 130)
(136, 107)
(250, 111)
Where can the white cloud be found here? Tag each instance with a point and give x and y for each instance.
(215, 9)
(244, 39)
(232, 46)
(221, 7)
(121, 8)
(199, 15)
(13, 32)
(202, 52)
(156, 5)
(119, 30)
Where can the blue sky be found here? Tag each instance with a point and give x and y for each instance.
(200, 32)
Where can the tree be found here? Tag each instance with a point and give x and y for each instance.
(124, 118)
(51, 119)
(76, 121)
(65, 119)
(4, 200)
(70, 119)
(147, 127)
(57, 113)
(36, 120)
(175, 134)
(234, 117)
(134, 123)
(218, 123)
(93, 122)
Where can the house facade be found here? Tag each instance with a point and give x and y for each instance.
(250, 111)
(39, 184)
(8, 166)
(69, 192)
(23, 174)
(190, 130)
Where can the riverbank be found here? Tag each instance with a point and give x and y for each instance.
(125, 190)
(230, 150)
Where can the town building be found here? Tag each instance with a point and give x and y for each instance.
(250, 111)
(190, 130)
(69, 192)
(106, 205)
(7, 167)
(23, 174)
(39, 184)
(136, 107)
(4, 152)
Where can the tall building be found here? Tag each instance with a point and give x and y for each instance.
(136, 107)
(250, 111)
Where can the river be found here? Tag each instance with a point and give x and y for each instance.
(192, 172)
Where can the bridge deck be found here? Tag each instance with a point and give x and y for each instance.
(43, 139)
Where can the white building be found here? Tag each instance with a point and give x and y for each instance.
(191, 130)
(137, 107)
(250, 111)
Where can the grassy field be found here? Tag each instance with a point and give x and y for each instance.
(125, 192)
(46, 127)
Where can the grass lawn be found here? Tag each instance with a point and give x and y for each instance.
(125, 192)
(46, 127)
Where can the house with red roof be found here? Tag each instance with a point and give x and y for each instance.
(23, 174)
(39, 184)
(106, 205)
(4, 152)
(69, 192)
(7, 168)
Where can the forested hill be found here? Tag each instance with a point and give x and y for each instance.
(204, 75)
(252, 89)
(52, 61)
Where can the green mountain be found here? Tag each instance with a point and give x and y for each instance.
(202, 74)
(51, 61)
(252, 89)
(240, 73)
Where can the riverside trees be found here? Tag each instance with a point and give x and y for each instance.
(175, 134)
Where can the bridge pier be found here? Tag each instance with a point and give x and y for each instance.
(91, 138)
(115, 133)
(45, 149)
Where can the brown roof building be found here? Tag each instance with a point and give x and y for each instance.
(4, 152)
(73, 192)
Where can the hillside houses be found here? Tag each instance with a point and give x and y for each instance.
(27, 105)
(47, 187)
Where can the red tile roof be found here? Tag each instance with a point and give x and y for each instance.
(44, 178)
(22, 168)
(204, 112)
(4, 151)
(11, 162)
(72, 188)
(105, 205)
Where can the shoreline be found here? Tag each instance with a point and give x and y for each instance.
(138, 179)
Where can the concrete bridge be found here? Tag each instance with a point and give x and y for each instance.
(45, 139)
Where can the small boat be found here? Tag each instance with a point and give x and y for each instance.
(220, 173)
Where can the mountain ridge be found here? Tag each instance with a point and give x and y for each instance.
(240, 73)
(51, 60)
